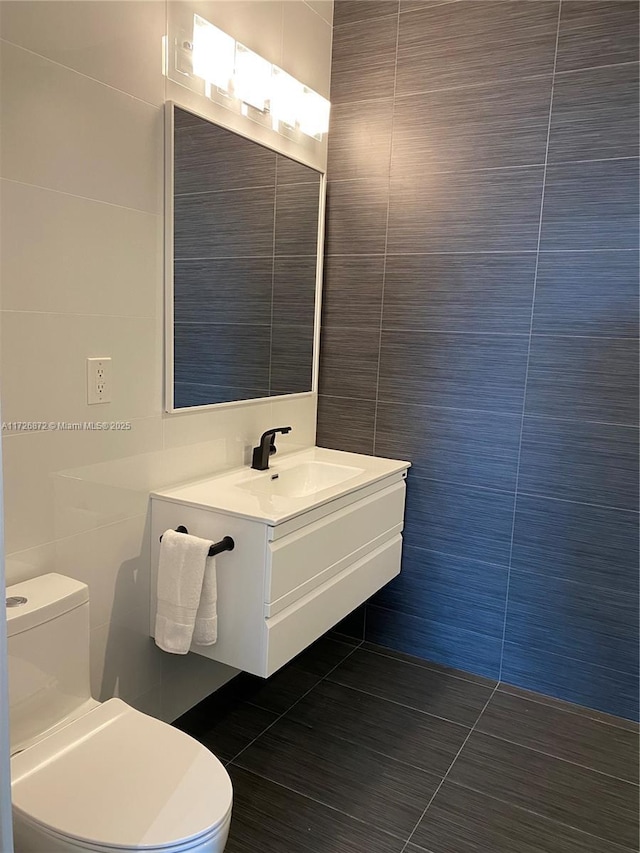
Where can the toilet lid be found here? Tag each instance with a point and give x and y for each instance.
(120, 778)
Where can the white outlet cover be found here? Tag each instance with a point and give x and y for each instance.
(98, 380)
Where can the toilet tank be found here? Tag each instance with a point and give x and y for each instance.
(48, 646)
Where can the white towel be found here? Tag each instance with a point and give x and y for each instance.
(205, 632)
(182, 570)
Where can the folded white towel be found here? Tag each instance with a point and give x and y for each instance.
(205, 632)
(181, 576)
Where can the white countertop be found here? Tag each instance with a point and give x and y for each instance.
(233, 492)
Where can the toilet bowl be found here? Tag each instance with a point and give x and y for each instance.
(89, 776)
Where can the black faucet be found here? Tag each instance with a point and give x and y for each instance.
(267, 446)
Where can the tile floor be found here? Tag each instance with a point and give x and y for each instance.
(353, 748)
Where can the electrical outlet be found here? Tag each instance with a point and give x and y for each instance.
(98, 380)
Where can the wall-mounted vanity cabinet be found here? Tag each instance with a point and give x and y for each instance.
(315, 536)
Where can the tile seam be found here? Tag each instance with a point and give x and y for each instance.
(533, 303)
(444, 778)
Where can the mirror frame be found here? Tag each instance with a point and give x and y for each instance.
(169, 407)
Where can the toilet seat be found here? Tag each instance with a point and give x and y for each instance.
(117, 779)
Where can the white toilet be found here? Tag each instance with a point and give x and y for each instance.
(96, 777)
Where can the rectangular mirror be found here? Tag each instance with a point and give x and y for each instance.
(243, 265)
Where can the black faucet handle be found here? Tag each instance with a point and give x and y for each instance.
(272, 432)
(266, 447)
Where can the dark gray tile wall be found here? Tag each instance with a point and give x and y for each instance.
(480, 318)
(245, 249)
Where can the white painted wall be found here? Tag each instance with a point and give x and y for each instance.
(81, 203)
(6, 831)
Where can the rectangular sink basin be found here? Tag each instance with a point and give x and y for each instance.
(293, 484)
(301, 480)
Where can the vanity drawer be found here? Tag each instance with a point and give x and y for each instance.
(312, 555)
(299, 625)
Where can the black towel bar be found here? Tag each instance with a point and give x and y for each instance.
(226, 544)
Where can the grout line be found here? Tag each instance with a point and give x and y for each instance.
(409, 177)
(612, 507)
(558, 758)
(386, 231)
(619, 848)
(375, 255)
(432, 666)
(485, 84)
(244, 748)
(584, 711)
(399, 704)
(273, 263)
(526, 375)
(360, 820)
(157, 214)
(71, 70)
(444, 778)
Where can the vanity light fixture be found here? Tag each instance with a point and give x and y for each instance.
(286, 95)
(249, 80)
(214, 54)
(313, 116)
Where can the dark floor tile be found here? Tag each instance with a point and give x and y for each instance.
(593, 379)
(366, 785)
(406, 735)
(272, 819)
(353, 624)
(416, 687)
(577, 542)
(297, 215)
(572, 708)
(363, 61)
(350, 11)
(356, 217)
(483, 211)
(597, 33)
(465, 43)
(352, 292)
(493, 126)
(572, 460)
(235, 730)
(360, 140)
(462, 521)
(555, 789)
(587, 293)
(466, 371)
(349, 362)
(592, 744)
(475, 448)
(477, 292)
(595, 114)
(574, 620)
(464, 821)
(463, 594)
(229, 290)
(452, 647)
(428, 664)
(591, 205)
(582, 682)
(286, 686)
(346, 424)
